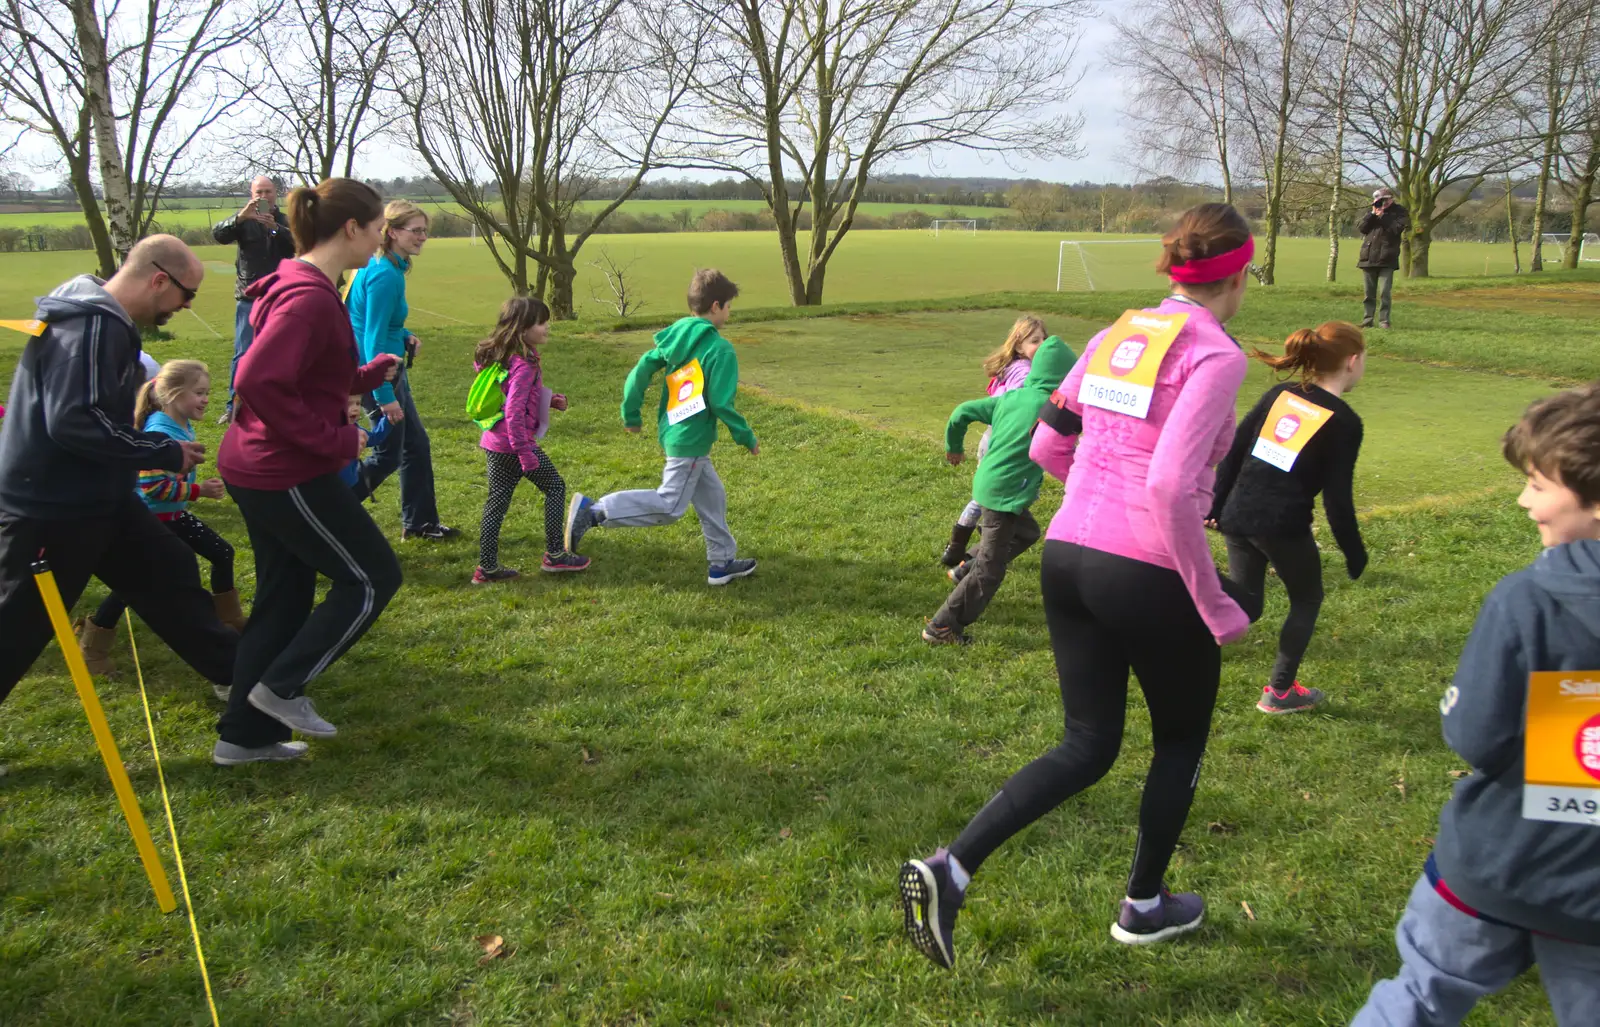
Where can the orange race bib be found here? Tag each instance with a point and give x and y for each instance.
(1290, 424)
(1561, 779)
(1121, 375)
(686, 392)
(30, 327)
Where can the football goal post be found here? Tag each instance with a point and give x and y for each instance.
(1100, 265)
(1588, 246)
(967, 226)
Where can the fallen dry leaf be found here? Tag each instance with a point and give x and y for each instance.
(1222, 827)
(1306, 796)
(1458, 773)
(494, 947)
(587, 758)
(785, 833)
(1248, 911)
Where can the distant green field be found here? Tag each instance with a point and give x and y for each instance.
(200, 212)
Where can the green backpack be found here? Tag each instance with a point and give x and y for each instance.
(486, 400)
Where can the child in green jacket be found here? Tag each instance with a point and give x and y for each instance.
(1005, 486)
(702, 380)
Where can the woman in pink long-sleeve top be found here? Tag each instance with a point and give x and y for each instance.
(1128, 580)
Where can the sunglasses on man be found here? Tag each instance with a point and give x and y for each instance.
(188, 293)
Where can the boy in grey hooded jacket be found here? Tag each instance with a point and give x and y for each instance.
(1514, 878)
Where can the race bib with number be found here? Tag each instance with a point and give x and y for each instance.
(1121, 375)
(1290, 424)
(30, 327)
(1562, 762)
(686, 392)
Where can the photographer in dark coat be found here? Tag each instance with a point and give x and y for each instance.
(1382, 229)
(261, 232)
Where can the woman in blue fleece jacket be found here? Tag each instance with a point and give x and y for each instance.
(377, 305)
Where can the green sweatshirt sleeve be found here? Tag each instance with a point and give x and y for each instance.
(721, 368)
(955, 431)
(638, 382)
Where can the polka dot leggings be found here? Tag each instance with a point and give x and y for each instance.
(505, 472)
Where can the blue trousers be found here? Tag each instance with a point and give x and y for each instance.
(405, 448)
(1449, 960)
(243, 335)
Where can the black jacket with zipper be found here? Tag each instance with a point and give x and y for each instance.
(1380, 245)
(260, 250)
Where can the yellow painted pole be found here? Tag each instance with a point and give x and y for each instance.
(102, 736)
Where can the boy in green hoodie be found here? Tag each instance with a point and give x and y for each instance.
(702, 380)
(1006, 485)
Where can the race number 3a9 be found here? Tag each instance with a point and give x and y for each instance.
(1562, 776)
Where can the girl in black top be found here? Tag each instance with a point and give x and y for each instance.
(1300, 439)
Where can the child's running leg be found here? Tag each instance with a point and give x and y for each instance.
(1005, 537)
(505, 471)
(1571, 975)
(969, 516)
(206, 543)
(1299, 565)
(1448, 961)
(711, 506)
(550, 482)
(648, 508)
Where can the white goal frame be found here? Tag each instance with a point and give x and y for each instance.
(1083, 261)
(971, 223)
(1588, 246)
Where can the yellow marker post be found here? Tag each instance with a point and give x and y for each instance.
(102, 736)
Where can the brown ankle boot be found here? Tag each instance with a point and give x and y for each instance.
(95, 642)
(228, 609)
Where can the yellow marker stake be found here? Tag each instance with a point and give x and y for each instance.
(102, 736)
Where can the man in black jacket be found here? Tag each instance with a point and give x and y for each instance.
(261, 231)
(70, 458)
(1382, 229)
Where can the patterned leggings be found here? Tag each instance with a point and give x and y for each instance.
(505, 472)
(204, 542)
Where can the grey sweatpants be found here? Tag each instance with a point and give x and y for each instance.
(685, 481)
(1449, 960)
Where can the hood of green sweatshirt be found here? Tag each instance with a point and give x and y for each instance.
(682, 340)
(1051, 364)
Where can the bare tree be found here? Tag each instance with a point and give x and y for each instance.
(1033, 203)
(1565, 37)
(317, 80)
(624, 298)
(518, 106)
(808, 99)
(1340, 113)
(1181, 61)
(1580, 155)
(1432, 103)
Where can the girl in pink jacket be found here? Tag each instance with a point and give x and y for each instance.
(512, 442)
(1128, 580)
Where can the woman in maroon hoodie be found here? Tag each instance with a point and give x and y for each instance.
(291, 435)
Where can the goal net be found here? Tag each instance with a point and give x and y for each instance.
(1106, 265)
(1555, 247)
(948, 225)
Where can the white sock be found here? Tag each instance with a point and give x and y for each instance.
(1144, 905)
(958, 875)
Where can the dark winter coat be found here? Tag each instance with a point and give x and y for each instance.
(1380, 245)
(261, 250)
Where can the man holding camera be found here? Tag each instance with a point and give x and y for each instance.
(261, 231)
(1382, 229)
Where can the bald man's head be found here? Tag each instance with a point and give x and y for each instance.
(159, 278)
(264, 191)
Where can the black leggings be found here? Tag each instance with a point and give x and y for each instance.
(1109, 614)
(1299, 566)
(198, 537)
(505, 472)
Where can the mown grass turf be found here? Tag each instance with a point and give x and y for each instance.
(686, 805)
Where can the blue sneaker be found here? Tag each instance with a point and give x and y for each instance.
(1175, 915)
(580, 518)
(931, 901)
(722, 573)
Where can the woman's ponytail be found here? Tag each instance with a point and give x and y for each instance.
(1309, 354)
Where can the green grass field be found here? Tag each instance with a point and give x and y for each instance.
(681, 805)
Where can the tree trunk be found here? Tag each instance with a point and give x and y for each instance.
(1338, 146)
(1580, 205)
(789, 250)
(97, 98)
(1511, 224)
(1542, 196)
(560, 299)
(1275, 186)
(83, 188)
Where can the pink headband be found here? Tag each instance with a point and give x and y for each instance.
(1214, 269)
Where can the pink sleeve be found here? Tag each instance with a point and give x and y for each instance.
(1203, 410)
(370, 376)
(1053, 451)
(521, 388)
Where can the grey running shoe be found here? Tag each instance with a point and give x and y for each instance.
(1174, 915)
(226, 754)
(1297, 699)
(296, 713)
(722, 573)
(931, 901)
(580, 518)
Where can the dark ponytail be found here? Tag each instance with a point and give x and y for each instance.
(318, 214)
(1204, 231)
(1309, 353)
